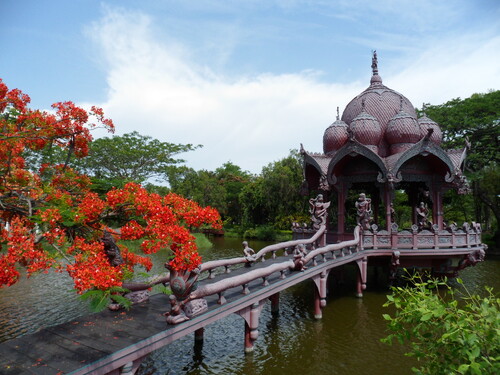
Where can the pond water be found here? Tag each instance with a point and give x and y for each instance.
(345, 341)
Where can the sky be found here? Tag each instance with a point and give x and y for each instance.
(248, 80)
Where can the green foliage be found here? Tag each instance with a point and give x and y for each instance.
(219, 189)
(284, 222)
(131, 157)
(262, 232)
(275, 193)
(446, 335)
(100, 299)
(476, 120)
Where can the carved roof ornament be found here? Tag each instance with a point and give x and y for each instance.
(374, 63)
(376, 79)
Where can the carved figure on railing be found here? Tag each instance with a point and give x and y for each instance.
(299, 253)
(249, 254)
(318, 210)
(364, 211)
(392, 213)
(422, 216)
(182, 283)
(176, 314)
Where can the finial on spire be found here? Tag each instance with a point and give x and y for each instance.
(338, 117)
(374, 63)
(424, 107)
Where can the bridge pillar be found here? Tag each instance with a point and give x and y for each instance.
(129, 368)
(198, 334)
(251, 316)
(361, 280)
(320, 293)
(275, 303)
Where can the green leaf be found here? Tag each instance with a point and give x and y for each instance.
(426, 316)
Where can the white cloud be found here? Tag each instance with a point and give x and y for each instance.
(450, 69)
(157, 88)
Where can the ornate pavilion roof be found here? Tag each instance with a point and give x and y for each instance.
(382, 126)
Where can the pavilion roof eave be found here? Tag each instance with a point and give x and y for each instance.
(425, 147)
(353, 148)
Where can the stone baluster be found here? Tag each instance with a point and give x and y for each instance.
(222, 299)
(245, 289)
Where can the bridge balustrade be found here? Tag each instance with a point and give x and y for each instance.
(451, 238)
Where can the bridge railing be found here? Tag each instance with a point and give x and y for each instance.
(243, 280)
(453, 237)
(212, 265)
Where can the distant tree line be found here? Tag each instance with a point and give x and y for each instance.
(271, 198)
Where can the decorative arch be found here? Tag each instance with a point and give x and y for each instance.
(421, 148)
(354, 148)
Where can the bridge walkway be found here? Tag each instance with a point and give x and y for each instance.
(104, 342)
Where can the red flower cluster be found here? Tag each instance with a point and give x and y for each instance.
(57, 206)
(91, 268)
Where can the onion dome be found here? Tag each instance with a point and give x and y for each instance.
(335, 135)
(425, 124)
(402, 132)
(366, 130)
(380, 101)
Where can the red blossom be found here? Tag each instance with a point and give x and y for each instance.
(56, 205)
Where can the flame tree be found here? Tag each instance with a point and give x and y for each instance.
(51, 219)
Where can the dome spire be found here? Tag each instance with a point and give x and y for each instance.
(374, 63)
(376, 79)
(338, 116)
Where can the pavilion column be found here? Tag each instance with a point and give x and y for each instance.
(376, 204)
(437, 212)
(388, 202)
(341, 211)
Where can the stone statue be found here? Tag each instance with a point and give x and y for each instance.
(364, 211)
(249, 253)
(176, 314)
(393, 213)
(422, 216)
(318, 210)
(298, 257)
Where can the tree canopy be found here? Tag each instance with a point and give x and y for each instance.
(51, 218)
(132, 157)
(475, 121)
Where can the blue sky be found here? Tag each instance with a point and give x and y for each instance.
(249, 80)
